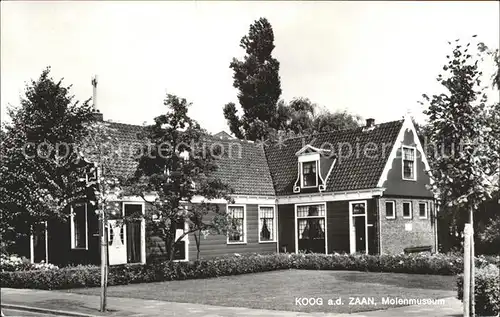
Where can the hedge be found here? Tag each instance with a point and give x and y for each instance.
(487, 290)
(89, 276)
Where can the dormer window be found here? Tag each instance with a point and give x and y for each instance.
(310, 174)
(314, 166)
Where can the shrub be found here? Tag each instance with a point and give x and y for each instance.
(89, 276)
(10, 263)
(487, 290)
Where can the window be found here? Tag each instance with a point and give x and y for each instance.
(79, 228)
(407, 214)
(390, 212)
(409, 163)
(266, 224)
(237, 224)
(422, 207)
(311, 226)
(309, 174)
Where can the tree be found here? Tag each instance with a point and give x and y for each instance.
(301, 116)
(40, 170)
(177, 165)
(257, 79)
(466, 152)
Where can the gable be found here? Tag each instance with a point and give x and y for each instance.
(392, 177)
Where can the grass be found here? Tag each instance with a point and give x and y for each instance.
(278, 290)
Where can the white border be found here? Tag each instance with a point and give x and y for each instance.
(245, 231)
(403, 147)
(73, 229)
(296, 224)
(393, 209)
(411, 209)
(426, 204)
(32, 244)
(274, 223)
(330, 196)
(352, 233)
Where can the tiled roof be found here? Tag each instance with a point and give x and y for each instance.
(350, 172)
(247, 174)
(273, 170)
(128, 143)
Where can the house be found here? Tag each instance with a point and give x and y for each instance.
(362, 190)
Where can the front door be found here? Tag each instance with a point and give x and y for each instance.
(133, 214)
(358, 227)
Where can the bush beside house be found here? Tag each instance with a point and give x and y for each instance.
(89, 276)
(487, 290)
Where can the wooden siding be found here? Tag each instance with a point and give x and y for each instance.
(338, 226)
(286, 231)
(216, 245)
(59, 242)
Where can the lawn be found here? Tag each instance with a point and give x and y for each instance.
(278, 290)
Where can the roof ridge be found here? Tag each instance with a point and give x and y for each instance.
(341, 130)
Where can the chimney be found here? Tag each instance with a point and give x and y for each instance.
(96, 114)
(370, 125)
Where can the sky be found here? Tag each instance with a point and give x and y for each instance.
(375, 59)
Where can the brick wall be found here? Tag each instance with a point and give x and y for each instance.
(399, 233)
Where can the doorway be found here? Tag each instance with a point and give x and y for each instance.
(358, 227)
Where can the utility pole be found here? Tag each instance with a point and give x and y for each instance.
(102, 217)
(467, 270)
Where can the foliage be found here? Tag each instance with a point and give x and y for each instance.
(177, 164)
(257, 79)
(487, 290)
(88, 276)
(40, 170)
(465, 152)
(9, 263)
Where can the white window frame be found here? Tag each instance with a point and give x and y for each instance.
(302, 173)
(411, 210)
(245, 232)
(296, 234)
(426, 210)
(73, 228)
(393, 209)
(414, 149)
(273, 238)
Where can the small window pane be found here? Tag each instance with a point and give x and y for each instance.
(423, 210)
(358, 209)
(407, 210)
(311, 211)
(266, 222)
(389, 209)
(309, 173)
(80, 226)
(236, 215)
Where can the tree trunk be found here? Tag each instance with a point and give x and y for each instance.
(171, 242)
(197, 239)
(472, 267)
